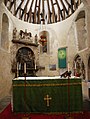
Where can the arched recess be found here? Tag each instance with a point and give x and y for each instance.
(25, 57)
(5, 33)
(44, 42)
(79, 67)
(81, 31)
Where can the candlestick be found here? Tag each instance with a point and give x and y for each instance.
(19, 66)
(75, 65)
(35, 64)
(68, 66)
(25, 116)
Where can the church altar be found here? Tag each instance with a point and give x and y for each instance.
(47, 95)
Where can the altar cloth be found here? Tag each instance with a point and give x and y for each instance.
(41, 95)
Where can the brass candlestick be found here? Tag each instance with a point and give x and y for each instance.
(25, 74)
(25, 116)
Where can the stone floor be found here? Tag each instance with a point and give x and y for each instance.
(4, 102)
(86, 101)
(86, 98)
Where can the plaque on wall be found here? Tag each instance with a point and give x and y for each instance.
(52, 67)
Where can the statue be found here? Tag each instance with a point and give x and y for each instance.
(25, 35)
(14, 33)
(36, 38)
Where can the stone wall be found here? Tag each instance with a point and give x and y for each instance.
(5, 73)
(5, 56)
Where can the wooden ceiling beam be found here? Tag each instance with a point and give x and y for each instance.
(64, 15)
(29, 17)
(72, 4)
(59, 10)
(79, 2)
(67, 3)
(24, 10)
(75, 5)
(14, 6)
(69, 7)
(19, 7)
(54, 3)
(11, 4)
(49, 12)
(53, 12)
(35, 12)
(43, 12)
(5, 2)
(64, 7)
(38, 19)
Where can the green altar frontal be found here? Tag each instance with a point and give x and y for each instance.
(47, 95)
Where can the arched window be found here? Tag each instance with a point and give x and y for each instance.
(25, 56)
(44, 42)
(4, 33)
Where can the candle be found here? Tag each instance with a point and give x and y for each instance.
(68, 66)
(35, 64)
(25, 67)
(75, 65)
(19, 66)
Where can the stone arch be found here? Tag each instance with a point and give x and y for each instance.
(81, 30)
(26, 56)
(4, 33)
(79, 67)
(44, 41)
(80, 15)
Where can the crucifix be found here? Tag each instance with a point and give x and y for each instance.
(47, 99)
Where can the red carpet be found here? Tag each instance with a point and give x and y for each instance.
(8, 114)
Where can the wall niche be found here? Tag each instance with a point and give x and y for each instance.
(4, 33)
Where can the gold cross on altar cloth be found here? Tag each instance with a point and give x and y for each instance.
(47, 99)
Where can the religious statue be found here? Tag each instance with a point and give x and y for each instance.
(25, 35)
(30, 54)
(36, 38)
(79, 68)
(14, 33)
(43, 42)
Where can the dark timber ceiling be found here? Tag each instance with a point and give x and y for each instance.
(35, 11)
